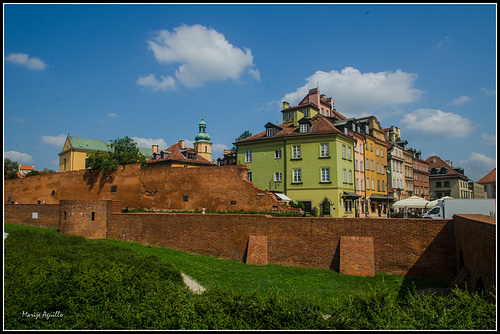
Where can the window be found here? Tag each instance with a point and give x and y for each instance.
(446, 183)
(349, 153)
(297, 175)
(277, 176)
(367, 183)
(185, 198)
(93, 216)
(371, 163)
(343, 151)
(438, 184)
(378, 167)
(367, 164)
(287, 116)
(277, 154)
(325, 174)
(269, 132)
(296, 152)
(383, 185)
(350, 176)
(344, 176)
(361, 165)
(356, 164)
(382, 152)
(378, 185)
(377, 152)
(361, 181)
(306, 112)
(248, 156)
(303, 128)
(373, 183)
(324, 150)
(371, 147)
(249, 176)
(348, 205)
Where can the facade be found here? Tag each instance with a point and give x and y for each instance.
(478, 190)
(178, 155)
(74, 153)
(446, 180)
(376, 148)
(395, 161)
(420, 176)
(490, 183)
(306, 157)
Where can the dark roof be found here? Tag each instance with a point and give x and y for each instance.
(444, 169)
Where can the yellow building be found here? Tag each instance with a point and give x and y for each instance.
(376, 148)
(75, 150)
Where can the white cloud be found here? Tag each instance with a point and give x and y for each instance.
(149, 142)
(476, 165)
(21, 158)
(218, 150)
(166, 83)
(360, 94)
(24, 60)
(255, 73)
(432, 123)
(204, 55)
(461, 100)
(490, 92)
(112, 114)
(488, 139)
(55, 140)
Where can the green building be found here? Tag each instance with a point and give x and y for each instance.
(306, 158)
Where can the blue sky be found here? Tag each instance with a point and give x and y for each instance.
(149, 71)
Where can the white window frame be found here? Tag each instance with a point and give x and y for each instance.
(324, 150)
(325, 174)
(248, 156)
(296, 152)
(269, 132)
(349, 153)
(350, 176)
(277, 154)
(249, 176)
(277, 176)
(343, 151)
(303, 128)
(297, 175)
(344, 175)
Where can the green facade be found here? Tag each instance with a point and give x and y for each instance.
(322, 177)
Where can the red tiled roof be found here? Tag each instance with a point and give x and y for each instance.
(440, 163)
(320, 125)
(175, 154)
(491, 177)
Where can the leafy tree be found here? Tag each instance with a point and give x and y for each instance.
(122, 151)
(244, 135)
(10, 169)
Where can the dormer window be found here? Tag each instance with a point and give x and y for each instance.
(306, 112)
(269, 132)
(303, 128)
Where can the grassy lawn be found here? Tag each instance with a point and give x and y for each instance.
(54, 281)
(320, 284)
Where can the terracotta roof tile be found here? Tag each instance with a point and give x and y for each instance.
(491, 177)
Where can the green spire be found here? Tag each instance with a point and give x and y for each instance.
(202, 135)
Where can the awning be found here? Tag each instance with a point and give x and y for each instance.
(350, 195)
(283, 197)
(380, 197)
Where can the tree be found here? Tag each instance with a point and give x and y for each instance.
(10, 169)
(244, 135)
(122, 151)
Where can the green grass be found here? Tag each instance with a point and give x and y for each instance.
(109, 284)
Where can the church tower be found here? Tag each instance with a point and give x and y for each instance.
(202, 144)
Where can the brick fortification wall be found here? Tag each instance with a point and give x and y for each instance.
(213, 188)
(476, 249)
(357, 246)
(415, 247)
(40, 215)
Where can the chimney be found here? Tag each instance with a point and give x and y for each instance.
(156, 148)
(286, 105)
(181, 143)
(449, 163)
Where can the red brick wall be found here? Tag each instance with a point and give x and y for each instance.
(48, 215)
(213, 188)
(257, 250)
(415, 247)
(357, 256)
(85, 218)
(476, 248)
